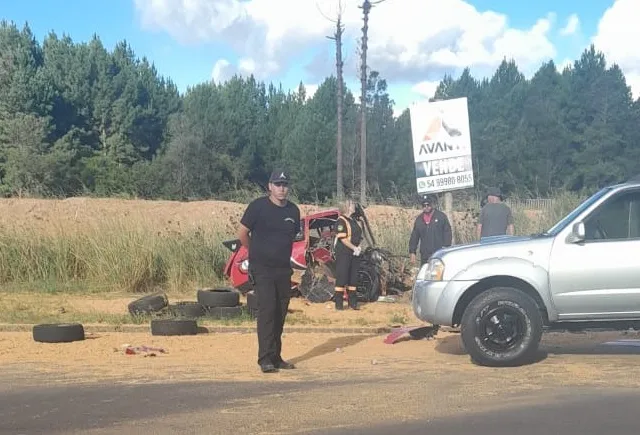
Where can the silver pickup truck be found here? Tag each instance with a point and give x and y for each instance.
(503, 292)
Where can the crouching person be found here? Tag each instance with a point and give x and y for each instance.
(347, 252)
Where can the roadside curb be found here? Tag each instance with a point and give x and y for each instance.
(22, 327)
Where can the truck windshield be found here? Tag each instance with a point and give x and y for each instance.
(571, 216)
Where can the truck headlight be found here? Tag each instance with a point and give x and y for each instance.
(244, 266)
(432, 271)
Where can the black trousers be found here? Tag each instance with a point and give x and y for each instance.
(273, 289)
(347, 266)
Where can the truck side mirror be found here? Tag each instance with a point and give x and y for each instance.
(578, 233)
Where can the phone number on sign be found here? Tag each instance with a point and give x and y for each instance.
(448, 181)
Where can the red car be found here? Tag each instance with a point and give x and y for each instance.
(312, 261)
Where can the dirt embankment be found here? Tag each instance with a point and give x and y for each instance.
(80, 213)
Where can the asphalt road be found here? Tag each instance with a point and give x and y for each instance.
(199, 408)
(582, 413)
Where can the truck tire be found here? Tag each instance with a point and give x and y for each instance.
(218, 297)
(513, 340)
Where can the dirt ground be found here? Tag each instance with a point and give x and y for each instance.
(111, 308)
(565, 359)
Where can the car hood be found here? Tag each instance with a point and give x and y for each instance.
(530, 247)
(488, 242)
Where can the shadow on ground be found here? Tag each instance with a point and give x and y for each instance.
(558, 344)
(331, 345)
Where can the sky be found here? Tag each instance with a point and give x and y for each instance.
(412, 43)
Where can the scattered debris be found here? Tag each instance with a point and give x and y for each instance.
(391, 299)
(137, 350)
(415, 332)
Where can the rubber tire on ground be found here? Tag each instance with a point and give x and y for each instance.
(148, 304)
(224, 312)
(187, 309)
(219, 297)
(525, 351)
(58, 333)
(174, 327)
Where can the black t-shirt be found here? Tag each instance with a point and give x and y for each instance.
(273, 230)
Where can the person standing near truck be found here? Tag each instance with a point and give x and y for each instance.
(267, 229)
(431, 230)
(496, 218)
(347, 253)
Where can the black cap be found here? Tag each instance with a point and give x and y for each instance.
(279, 176)
(495, 191)
(427, 199)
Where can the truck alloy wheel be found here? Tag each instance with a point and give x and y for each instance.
(502, 327)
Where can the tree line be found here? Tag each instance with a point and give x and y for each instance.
(78, 119)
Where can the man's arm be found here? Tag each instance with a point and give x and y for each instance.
(243, 235)
(479, 226)
(414, 240)
(511, 230)
(448, 235)
(246, 224)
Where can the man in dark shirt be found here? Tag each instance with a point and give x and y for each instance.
(496, 218)
(268, 228)
(431, 230)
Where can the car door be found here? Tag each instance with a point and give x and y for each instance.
(599, 278)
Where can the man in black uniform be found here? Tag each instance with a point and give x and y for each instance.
(347, 252)
(431, 229)
(268, 228)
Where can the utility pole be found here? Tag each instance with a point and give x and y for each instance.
(337, 36)
(366, 8)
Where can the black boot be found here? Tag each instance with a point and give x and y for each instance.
(339, 298)
(353, 300)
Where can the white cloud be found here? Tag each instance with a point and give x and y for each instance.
(427, 88)
(573, 24)
(564, 64)
(617, 36)
(310, 90)
(410, 40)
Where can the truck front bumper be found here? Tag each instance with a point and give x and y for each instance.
(435, 301)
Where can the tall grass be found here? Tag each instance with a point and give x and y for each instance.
(116, 255)
(136, 256)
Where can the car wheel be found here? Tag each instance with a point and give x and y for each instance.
(315, 285)
(502, 327)
(368, 285)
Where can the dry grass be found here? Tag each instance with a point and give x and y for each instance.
(103, 245)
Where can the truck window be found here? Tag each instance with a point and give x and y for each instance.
(617, 218)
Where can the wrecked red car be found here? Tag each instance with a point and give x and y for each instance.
(313, 262)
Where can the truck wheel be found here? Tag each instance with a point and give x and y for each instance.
(502, 327)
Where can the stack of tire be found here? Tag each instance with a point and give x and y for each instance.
(212, 303)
